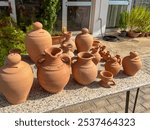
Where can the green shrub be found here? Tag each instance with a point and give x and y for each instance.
(10, 38)
(123, 21)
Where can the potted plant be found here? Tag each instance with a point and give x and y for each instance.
(123, 23)
(135, 21)
(48, 17)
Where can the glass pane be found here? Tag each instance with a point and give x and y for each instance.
(78, 17)
(79, 0)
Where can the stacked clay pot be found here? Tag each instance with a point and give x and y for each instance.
(83, 69)
(53, 70)
(16, 78)
(37, 41)
(84, 40)
(131, 64)
(113, 65)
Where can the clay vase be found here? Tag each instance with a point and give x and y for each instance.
(97, 57)
(37, 41)
(67, 50)
(16, 78)
(113, 65)
(83, 69)
(54, 70)
(68, 42)
(106, 79)
(84, 40)
(97, 44)
(131, 64)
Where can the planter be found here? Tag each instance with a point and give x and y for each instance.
(133, 34)
(123, 34)
(57, 39)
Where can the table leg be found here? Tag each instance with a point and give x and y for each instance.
(127, 101)
(136, 97)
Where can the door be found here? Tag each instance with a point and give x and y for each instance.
(76, 14)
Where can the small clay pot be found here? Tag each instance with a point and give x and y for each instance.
(84, 40)
(83, 69)
(97, 44)
(68, 42)
(131, 64)
(37, 41)
(97, 57)
(16, 78)
(106, 79)
(113, 65)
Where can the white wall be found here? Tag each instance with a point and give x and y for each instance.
(100, 15)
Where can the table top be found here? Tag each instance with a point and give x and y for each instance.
(41, 101)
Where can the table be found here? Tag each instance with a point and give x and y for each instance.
(41, 101)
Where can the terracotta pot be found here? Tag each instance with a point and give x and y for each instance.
(97, 57)
(113, 65)
(68, 42)
(37, 41)
(16, 78)
(67, 50)
(57, 39)
(84, 70)
(84, 40)
(133, 34)
(54, 70)
(97, 44)
(104, 53)
(132, 63)
(106, 79)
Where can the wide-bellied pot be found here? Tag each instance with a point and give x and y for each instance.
(53, 70)
(84, 40)
(37, 41)
(16, 78)
(83, 69)
(113, 65)
(132, 63)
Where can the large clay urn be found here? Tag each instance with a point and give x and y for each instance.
(16, 78)
(132, 63)
(83, 69)
(113, 65)
(68, 42)
(54, 70)
(37, 41)
(84, 40)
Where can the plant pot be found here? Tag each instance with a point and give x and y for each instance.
(123, 33)
(57, 39)
(133, 34)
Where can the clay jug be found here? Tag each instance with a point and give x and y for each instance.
(97, 57)
(37, 41)
(16, 78)
(132, 63)
(53, 70)
(68, 42)
(84, 70)
(84, 40)
(97, 44)
(113, 65)
(67, 50)
(106, 79)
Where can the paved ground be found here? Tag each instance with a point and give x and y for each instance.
(116, 103)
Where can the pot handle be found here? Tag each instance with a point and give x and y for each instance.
(113, 82)
(66, 59)
(41, 59)
(118, 59)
